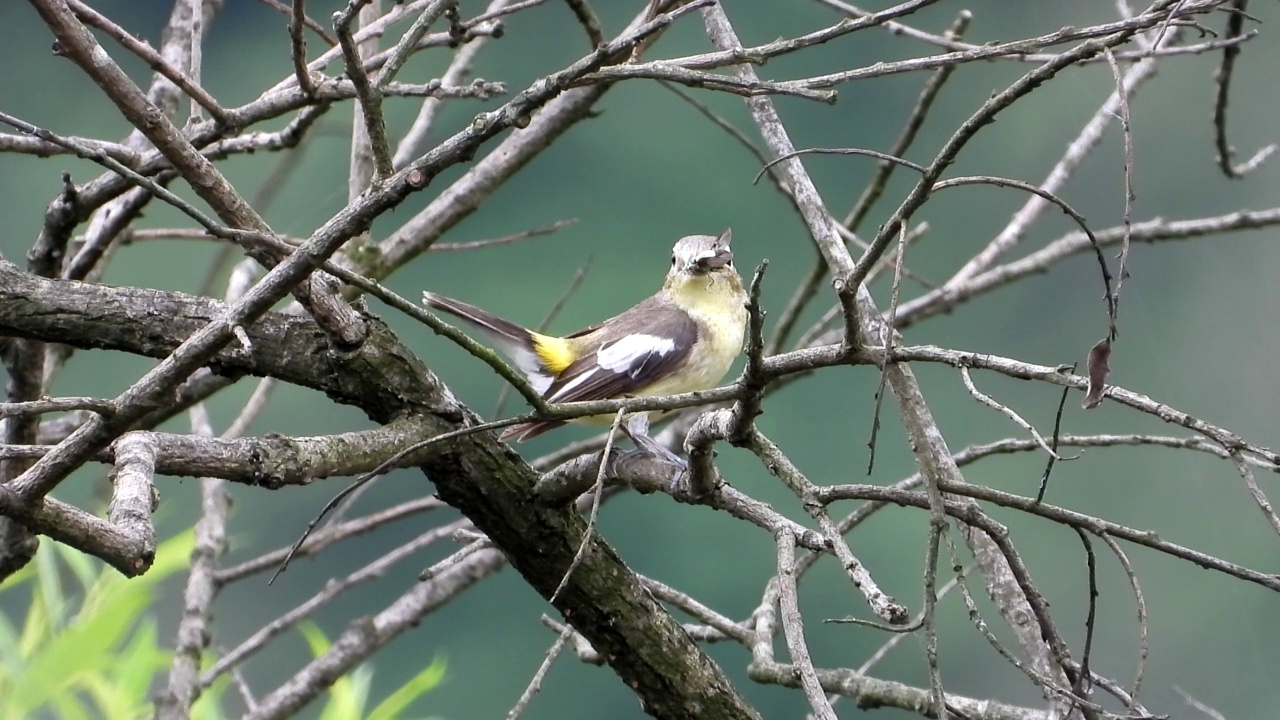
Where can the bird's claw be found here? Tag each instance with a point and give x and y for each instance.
(637, 428)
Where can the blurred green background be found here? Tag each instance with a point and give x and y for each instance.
(1197, 332)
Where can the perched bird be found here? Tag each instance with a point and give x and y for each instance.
(683, 338)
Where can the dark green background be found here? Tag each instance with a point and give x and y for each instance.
(1197, 331)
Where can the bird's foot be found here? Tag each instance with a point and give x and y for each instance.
(637, 428)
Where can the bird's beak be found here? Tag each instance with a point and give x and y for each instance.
(713, 260)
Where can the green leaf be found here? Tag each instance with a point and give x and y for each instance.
(105, 651)
(10, 656)
(315, 637)
(70, 707)
(82, 566)
(113, 701)
(35, 629)
(348, 694)
(417, 686)
(140, 662)
(49, 580)
(27, 572)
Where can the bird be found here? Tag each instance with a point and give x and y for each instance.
(683, 338)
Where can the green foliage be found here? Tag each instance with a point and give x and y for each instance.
(349, 695)
(89, 646)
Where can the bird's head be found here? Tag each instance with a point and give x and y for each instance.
(701, 261)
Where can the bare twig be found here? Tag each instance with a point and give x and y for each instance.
(1006, 411)
(589, 532)
(328, 536)
(998, 102)
(588, 20)
(195, 627)
(175, 75)
(1140, 601)
(1061, 515)
(506, 239)
(777, 463)
(459, 67)
(298, 47)
(333, 589)
(61, 404)
(307, 22)
(1211, 713)
(928, 618)
(409, 41)
(793, 627)
(872, 192)
(1259, 496)
(535, 683)
(1057, 435)
(1235, 28)
(1079, 148)
(371, 134)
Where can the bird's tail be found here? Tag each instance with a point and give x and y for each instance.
(526, 431)
(503, 331)
(516, 342)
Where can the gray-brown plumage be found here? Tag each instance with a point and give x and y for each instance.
(681, 339)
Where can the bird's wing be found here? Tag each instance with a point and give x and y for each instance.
(634, 350)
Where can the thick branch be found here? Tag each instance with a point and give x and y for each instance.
(486, 480)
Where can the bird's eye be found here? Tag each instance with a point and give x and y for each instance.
(673, 260)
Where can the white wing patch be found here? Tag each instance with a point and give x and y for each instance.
(627, 355)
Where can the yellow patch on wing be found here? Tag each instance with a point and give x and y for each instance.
(555, 353)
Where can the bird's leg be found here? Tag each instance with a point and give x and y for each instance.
(637, 428)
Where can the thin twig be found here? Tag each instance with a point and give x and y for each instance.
(535, 683)
(60, 404)
(928, 618)
(753, 381)
(416, 137)
(409, 41)
(979, 624)
(1082, 686)
(1140, 601)
(298, 47)
(200, 590)
(505, 239)
(588, 534)
(157, 62)
(1259, 496)
(328, 536)
(368, 95)
(1235, 29)
(887, 340)
(1126, 128)
(829, 493)
(1057, 435)
(588, 20)
(307, 22)
(884, 606)
(1080, 148)
(1209, 711)
(897, 637)
(369, 571)
(793, 627)
(390, 463)
(1006, 411)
